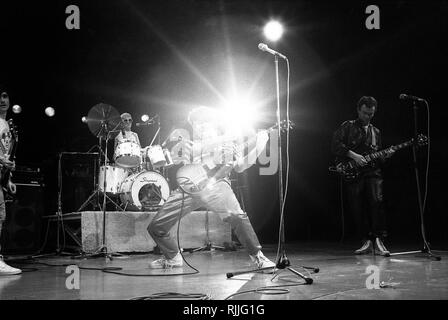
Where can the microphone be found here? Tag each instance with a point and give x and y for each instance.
(409, 97)
(264, 47)
(147, 122)
(142, 124)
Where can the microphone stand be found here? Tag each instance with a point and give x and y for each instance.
(283, 261)
(426, 249)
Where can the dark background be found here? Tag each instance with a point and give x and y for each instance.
(166, 57)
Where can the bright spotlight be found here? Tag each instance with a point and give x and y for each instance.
(273, 30)
(239, 115)
(49, 111)
(145, 117)
(16, 108)
(84, 119)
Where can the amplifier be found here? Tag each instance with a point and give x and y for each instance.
(28, 176)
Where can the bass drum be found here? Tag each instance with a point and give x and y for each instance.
(144, 191)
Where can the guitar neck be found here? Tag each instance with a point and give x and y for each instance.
(382, 153)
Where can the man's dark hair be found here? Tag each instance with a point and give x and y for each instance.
(368, 101)
(3, 88)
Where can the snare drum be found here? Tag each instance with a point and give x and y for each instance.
(127, 154)
(156, 156)
(144, 191)
(114, 177)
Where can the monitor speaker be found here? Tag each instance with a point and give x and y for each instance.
(21, 232)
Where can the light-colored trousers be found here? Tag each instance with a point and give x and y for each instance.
(218, 198)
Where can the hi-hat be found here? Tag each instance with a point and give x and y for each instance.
(103, 120)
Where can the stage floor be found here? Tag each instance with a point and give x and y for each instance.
(341, 275)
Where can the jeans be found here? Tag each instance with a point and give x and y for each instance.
(220, 199)
(365, 200)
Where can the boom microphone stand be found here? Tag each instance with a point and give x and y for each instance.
(283, 261)
(426, 249)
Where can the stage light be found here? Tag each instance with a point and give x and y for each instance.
(49, 111)
(273, 30)
(145, 117)
(239, 115)
(84, 119)
(16, 108)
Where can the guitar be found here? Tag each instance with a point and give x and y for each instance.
(6, 173)
(350, 170)
(194, 178)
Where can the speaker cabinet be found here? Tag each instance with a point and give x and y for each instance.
(21, 231)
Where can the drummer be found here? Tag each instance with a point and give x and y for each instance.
(125, 133)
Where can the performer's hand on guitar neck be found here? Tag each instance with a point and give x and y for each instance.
(359, 159)
(389, 153)
(230, 152)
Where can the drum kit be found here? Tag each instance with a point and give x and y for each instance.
(137, 178)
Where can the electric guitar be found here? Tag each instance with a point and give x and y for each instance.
(350, 170)
(6, 173)
(194, 178)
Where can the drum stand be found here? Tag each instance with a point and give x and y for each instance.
(102, 250)
(96, 194)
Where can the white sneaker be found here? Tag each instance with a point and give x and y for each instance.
(6, 270)
(366, 248)
(382, 248)
(261, 262)
(165, 263)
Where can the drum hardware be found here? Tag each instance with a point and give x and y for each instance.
(103, 121)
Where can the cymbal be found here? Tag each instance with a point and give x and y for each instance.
(103, 120)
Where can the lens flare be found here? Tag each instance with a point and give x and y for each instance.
(273, 30)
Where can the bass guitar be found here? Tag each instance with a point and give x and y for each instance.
(350, 170)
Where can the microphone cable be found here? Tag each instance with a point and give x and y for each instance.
(282, 225)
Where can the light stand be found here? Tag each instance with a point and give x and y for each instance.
(426, 249)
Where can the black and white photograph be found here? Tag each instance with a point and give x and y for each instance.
(236, 151)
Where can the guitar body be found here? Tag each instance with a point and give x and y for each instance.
(194, 178)
(6, 173)
(349, 170)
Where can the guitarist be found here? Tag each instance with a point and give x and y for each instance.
(219, 197)
(5, 163)
(352, 140)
